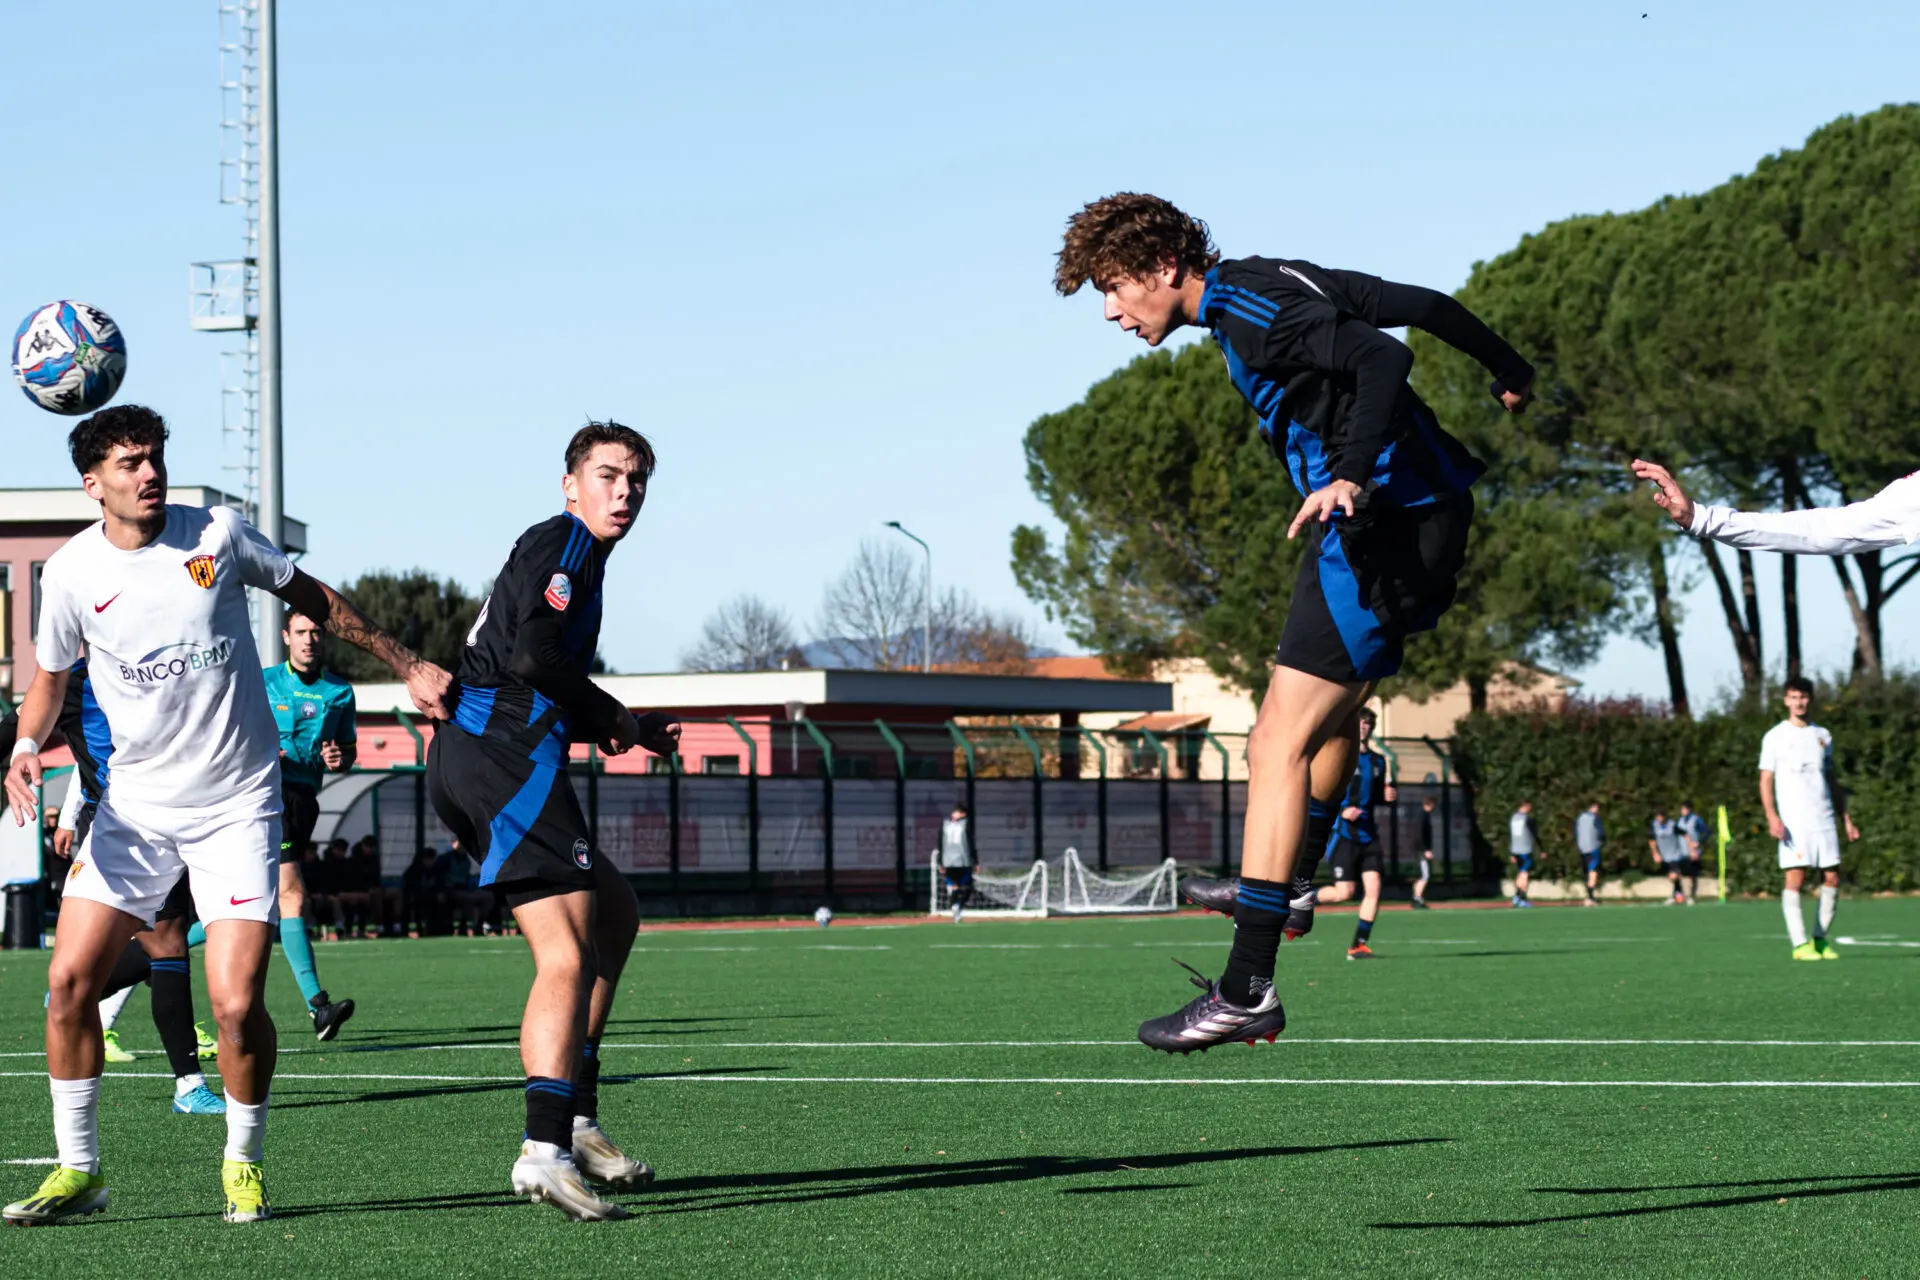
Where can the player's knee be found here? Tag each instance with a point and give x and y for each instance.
(69, 990)
(234, 1011)
(1275, 747)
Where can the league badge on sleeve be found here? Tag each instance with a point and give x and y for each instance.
(559, 591)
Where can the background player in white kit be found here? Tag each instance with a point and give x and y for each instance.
(155, 594)
(1890, 518)
(1799, 795)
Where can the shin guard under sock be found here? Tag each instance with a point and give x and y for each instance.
(1257, 917)
(1361, 932)
(586, 1082)
(1320, 819)
(550, 1111)
(173, 1015)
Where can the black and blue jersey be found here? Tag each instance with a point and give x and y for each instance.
(1363, 793)
(523, 678)
(84, 725)
(1304, 346)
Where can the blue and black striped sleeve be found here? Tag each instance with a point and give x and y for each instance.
(549, 569)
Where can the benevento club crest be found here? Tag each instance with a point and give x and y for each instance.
(559, 591)
(200, 569)
(581, 858)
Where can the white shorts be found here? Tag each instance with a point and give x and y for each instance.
(1812, 846)
(231, 859)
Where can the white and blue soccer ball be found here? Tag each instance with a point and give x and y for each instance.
(823, 917)
(69, 357)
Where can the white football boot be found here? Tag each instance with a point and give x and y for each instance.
(601, 1159)
(546, 1174)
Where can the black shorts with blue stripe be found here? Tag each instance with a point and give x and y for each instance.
(1367, 583)
(514, 812)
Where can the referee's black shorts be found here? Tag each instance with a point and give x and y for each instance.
(515, 816)
(299, 815)
(1367, 583)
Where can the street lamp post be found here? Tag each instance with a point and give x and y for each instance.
(926, 601)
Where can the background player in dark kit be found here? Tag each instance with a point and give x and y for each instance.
(1354, 854)
(1387, 507)
(498, 778)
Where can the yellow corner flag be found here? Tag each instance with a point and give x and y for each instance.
(1726, 838)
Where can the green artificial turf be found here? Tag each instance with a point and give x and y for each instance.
(788, 1147)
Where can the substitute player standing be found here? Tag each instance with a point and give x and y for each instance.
(1387, 507)
(1799, 794)
(155, 595)
(1590, 838)
(1693, 829)
(314, 710)
(498, 777)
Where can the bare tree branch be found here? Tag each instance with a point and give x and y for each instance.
(744, 634)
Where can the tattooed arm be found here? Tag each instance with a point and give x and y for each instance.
(430, 687)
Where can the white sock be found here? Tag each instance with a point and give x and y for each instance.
(111, 1006)
(246, 1129)
(1796, 924)
(184, 1085)
(1829, 904)
(76, 1122)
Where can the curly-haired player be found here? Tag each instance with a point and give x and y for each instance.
(1388, 504)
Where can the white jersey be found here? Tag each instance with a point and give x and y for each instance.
(1800, 760)
(170, 652)
(1890, 518)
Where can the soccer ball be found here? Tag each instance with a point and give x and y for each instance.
(69, 357)
(823, 917)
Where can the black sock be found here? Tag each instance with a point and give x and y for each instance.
(1320, 819)
(550, 1111)
(586, 1081)
(132, 966)
(1257, 916)
(1362, 931)
(173, 1014)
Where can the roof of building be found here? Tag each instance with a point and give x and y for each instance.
(73, 506)
(1165, 722)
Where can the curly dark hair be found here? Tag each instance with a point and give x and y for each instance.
(609, 432)
(1129, 236)
(89, 443)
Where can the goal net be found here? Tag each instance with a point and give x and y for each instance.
(1080, 892)
(1067, 888)
(1012, 892)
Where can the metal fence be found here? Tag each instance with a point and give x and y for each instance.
(847, 813)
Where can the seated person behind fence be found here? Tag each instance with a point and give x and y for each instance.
(322, 905)
(470, 901)
(956, 860)
(384, 902)
(353, 908)
(423, 893)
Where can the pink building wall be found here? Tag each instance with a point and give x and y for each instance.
(21, 552)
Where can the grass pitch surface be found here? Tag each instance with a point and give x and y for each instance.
(1627, 1091)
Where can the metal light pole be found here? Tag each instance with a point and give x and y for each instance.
(926, 602)
(272, 510)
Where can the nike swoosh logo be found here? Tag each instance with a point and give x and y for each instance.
(241, 902)
(101, 608)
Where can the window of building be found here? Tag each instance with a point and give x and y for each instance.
(33, 621)
(720, 764)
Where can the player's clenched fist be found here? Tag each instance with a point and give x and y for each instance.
(430, 686)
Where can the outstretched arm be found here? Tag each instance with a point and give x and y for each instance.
(1890, 518)
(428, 685)
(1395, 306)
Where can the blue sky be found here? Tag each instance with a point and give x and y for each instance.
(808, 251)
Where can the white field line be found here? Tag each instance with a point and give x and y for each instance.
(1871, 942)
(1300, 1082)
(681, 1045)
(34, 1160)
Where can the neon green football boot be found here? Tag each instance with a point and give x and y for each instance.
(114, 1052)
(246, 1191)
(1806, 951)
(1826, 949)
(66, 1193)
(203, 1038)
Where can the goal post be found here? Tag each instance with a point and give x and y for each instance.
(1080, 892)
(1011, 892)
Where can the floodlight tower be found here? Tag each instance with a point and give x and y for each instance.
(243, 295)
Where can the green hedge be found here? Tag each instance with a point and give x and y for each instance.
(1632, 759)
